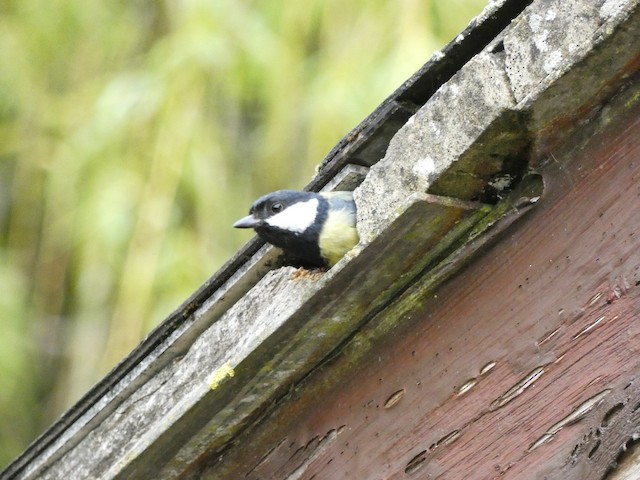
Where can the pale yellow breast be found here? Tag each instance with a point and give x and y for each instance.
(338, 236)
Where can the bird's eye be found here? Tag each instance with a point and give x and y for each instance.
(276, 207)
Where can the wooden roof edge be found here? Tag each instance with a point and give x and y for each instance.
(186, 373)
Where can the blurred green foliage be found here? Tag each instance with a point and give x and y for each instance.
(134, 132)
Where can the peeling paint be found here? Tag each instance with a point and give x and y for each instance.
(588, 328)
(449, 438)
(579, 412)
(576, 415)
(594, 299)
(487, 368)
(394, 399)
(466, 386)
(547, 337)
(518, 389)
(416, 463)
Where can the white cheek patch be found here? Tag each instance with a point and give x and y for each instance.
(296, 218)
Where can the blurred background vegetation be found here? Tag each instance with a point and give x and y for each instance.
(134, 132)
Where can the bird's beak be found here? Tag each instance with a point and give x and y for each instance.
(248, 222)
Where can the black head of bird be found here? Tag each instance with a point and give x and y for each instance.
(316, 229)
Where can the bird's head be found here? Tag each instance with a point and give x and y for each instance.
(287, 219)
(313, 229)
(285, 211)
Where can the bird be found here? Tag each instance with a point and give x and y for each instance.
(314, 230)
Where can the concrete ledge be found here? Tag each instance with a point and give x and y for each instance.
(564, 58)
(433, 140)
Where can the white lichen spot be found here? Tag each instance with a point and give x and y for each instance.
(433, 126)
(551, 15)
(612, 8)
(540, 41)
(424, 167)
(220, 374)
(552, 61)
(535, 22)
(437, 55)
(459, 38)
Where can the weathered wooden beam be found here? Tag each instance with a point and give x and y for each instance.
(524, 365)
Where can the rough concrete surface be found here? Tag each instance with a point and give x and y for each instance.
(559, 59)
(564, 58)
(425, 147)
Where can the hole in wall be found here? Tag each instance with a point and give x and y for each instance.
(610, 415)
(594, 449)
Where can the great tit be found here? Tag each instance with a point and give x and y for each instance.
(315, 229)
